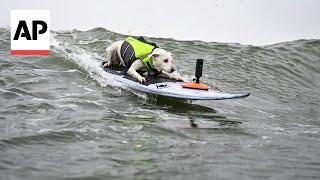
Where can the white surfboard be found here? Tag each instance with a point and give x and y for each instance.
(173, 89)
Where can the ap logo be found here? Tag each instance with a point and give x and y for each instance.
(30, 32)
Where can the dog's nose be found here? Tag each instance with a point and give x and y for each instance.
(172, 70)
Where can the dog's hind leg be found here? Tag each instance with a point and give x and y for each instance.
(113, 54)
(108, 57)
(111, 50)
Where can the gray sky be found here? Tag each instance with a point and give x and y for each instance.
(257, 22)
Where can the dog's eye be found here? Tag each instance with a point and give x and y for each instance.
(166, 60)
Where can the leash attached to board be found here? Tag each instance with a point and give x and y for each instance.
(198, 74)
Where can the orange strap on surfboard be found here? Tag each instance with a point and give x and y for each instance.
(198, 74)
(193, 85)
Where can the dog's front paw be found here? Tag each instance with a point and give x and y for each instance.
(142, 80)
(179, 78)
(107, 64)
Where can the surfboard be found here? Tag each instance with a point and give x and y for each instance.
(169, 88)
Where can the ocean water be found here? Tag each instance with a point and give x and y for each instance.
(61, 117)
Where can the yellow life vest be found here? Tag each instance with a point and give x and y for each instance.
(142, 51)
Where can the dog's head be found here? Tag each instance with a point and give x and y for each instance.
(162, 60)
